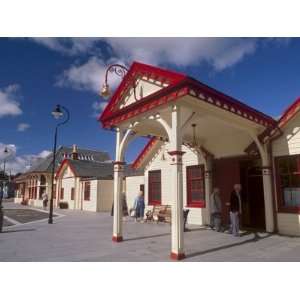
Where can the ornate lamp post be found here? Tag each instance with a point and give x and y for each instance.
(57, 113)
(119, 70)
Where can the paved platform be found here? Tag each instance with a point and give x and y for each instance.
(86, 236)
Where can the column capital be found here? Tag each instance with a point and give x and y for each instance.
(119, 166)
(266, 170)
(119, 163)
(176, 157)
(207, 173)
(176, 152)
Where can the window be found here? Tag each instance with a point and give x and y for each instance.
(154, 187)
(195, 186)
(62, 193)
(87, 190)
(288, 183)
(72, 193)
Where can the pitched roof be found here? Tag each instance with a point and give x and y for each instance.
(97, 170)
(44, 164)
(180, 86)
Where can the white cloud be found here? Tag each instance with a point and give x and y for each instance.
(88, 76)
(98, 107)
(9, 105)
(23, 126)
(44, 153)
(21, 163)
(221, 53)
(69, 46)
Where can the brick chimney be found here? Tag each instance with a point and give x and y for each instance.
(74, 152)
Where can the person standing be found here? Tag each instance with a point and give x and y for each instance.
(215, 209)
(235, 209)
(45, 200)
(139, 206)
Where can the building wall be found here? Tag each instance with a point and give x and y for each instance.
(288, 144)
(105, 195)
(132, 188)
(161, 161)
(89, 205)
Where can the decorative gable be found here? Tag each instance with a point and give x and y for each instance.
(146, 79)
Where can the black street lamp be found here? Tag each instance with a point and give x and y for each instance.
(57, 113)
(2, 181)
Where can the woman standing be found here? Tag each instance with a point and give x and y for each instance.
(139, 206)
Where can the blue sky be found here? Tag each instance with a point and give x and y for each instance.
(36, 74)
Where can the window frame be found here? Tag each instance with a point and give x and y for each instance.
(279, 191)
(87, 194)
(152, 201)
(192, 203)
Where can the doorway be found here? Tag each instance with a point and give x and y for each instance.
(247, 171)
(253, 214)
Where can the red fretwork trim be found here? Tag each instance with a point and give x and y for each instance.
(138, 161)
(117, 239)
(119, 163)
(173, 153)
(289, 113)
(183, 86)
(65, 161)
(139, 70)
(177, 256)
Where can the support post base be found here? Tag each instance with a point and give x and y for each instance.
(117, 239)
(177, 256)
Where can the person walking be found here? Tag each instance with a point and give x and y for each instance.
(215, 210)
(139, 207)
(235, 209)
(45, 200)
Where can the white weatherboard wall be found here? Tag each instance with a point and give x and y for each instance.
(67, 182)
(90, 205)
(196, 215)
(105, 195)
(132, 188)
(288, 144)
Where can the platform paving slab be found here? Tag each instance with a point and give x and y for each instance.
(86, 236)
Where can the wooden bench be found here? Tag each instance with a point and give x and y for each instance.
(159, 213)
(163, 213)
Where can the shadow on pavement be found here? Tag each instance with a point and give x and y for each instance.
(17, 230)
(256, 238)
(146, 237)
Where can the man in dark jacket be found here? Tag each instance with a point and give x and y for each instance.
(235, 209)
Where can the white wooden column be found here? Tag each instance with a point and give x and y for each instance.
(208, 187)
(177, 250)
(267, 184)
(118, 181)
(268, 196)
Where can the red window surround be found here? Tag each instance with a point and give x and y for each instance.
(195, 186)
(87, 190)
(154, 187)
(287, 170)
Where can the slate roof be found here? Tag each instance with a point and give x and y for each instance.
(44, 165)
(104, 170)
